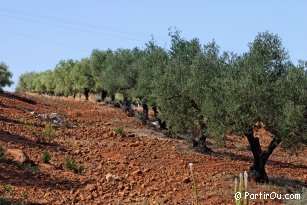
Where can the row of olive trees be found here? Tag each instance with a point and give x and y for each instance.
(193, 87)
(5, 76)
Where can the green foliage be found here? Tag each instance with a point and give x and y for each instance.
(71, 165)
(98, 63)
(122, 71)
(8, 191)
(82, 77)
(46, 156)
(152, 69)
(7, 194)
(63, 78)
(191, 82)
(49, 133)
(2, 154)
(261, 86)
(5, 76)
(119, 130)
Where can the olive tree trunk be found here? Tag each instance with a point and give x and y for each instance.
(145, 113)
(103, 95)
(260, 156)
(162, 124)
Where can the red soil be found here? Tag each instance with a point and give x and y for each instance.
(144, 166)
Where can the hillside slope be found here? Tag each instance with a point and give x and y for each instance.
(142, 166)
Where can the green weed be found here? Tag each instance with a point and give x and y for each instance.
(71, 165)
(46, 156)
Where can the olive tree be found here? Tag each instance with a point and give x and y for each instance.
(152, 66)
(181, 87)
(260, 89)
(82, 77)
(5, 76)
(62, 77)
(122, 74)
(98, 63)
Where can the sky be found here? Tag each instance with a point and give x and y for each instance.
(35, 35)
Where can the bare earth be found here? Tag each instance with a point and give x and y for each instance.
(143, 167)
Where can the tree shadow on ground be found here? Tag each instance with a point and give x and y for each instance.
(17, 97)
(250, 159)
(22, 141)
(286, 182)
(8, 120)
(4, 201)
(23, 176)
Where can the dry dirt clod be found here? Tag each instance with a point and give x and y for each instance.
(186, 180)
(91, 187)
(137, 173)
(47, 166)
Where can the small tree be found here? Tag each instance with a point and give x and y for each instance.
(5, 76)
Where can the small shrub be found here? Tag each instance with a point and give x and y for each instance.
(7, 195)
(119, 130)
(49, 133)
(2, 154)
(31, 128)
(240, 149)
(46, 156)
(7, 192)
(71, 165)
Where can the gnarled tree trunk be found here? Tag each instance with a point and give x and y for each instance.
(260, 156)
(145, 113)
(113, 97)
(162, 124)
(103, 95)
(128, 107)
(200, 137)
(86, 93)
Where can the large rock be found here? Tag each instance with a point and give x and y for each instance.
(19, 156)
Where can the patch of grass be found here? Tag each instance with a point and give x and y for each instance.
(240, 149)
(7, 192)
(31, 128)
(119, 130)
(46, 156)
(48, 133)
(7, 195)
(71, 165)
(2, 154)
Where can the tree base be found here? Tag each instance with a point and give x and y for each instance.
(258, 176)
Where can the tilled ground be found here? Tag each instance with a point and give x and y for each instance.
(142, 167)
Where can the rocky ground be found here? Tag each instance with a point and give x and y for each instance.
(142, 166)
